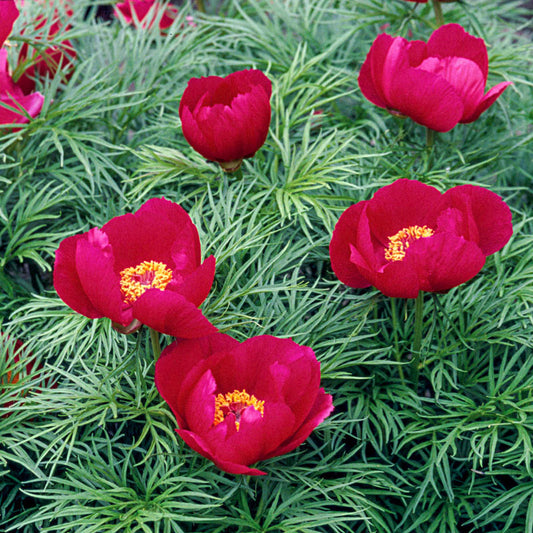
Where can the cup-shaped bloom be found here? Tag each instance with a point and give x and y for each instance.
(409, 237)
(239, 403)
(437, 84)
(227, 119)
(144, 13)
(140, 268)
(15, 106)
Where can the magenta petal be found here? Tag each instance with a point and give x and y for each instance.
(398, 279)
(426, 98)
(200, 404)
(487, 101)
(322, 407)
(171, 313)
(339, 248)
(492, 216)
(66, 279)
(159, 230)
(179, 367)
(401, 204)
(451, 40)
(197, 444)
(196, 285)
(464, 75)
(8, 14)
(445, 261)
(94, 264)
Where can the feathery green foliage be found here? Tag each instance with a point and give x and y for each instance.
(90, 446)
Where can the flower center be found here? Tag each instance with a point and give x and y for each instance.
(235, 402)
(399, 242)
(134, 281)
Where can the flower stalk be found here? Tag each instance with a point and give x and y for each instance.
(397, 353)
(439, 17)
(417, 339)
(156, 345)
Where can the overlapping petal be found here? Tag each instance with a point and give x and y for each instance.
(278, 372)
(448, 238)
(227, 119)
(437, 84)
(157, 252)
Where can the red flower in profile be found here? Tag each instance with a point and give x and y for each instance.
(48, 62)
(438, 84)
(239, 403)
(409, 238)
(227, 119)
(144, 13)
(140, 268)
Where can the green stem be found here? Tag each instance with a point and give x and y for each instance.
(395, 335)
(417, 340)
(200, 6)
(439, 17)
(430, 146)
(156, 346)
(430, 138)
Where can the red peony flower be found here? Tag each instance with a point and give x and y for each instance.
(227, 119)
(144, 13)
(140, 268)
(437, 84)
(409, 238)
(15, 106)
(55, 58)
(237, 404)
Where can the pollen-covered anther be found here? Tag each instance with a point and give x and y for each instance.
(235, 402)
(135, 281)
(399, 242)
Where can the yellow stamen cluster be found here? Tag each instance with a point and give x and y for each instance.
(235, 402)
(399, 242)
(134, 281)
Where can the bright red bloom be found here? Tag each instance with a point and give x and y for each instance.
(143, 267)
(144, 13)
(438, 84)
(227, 119)
(239, 403)
(409, 238)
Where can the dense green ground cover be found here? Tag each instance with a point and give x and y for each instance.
(98, 452)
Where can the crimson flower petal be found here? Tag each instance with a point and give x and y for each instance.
(451, 40)
(492, 216)
(171, 313)
(8, 14)
(94, 266)
(347, 228)
(487, 100)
